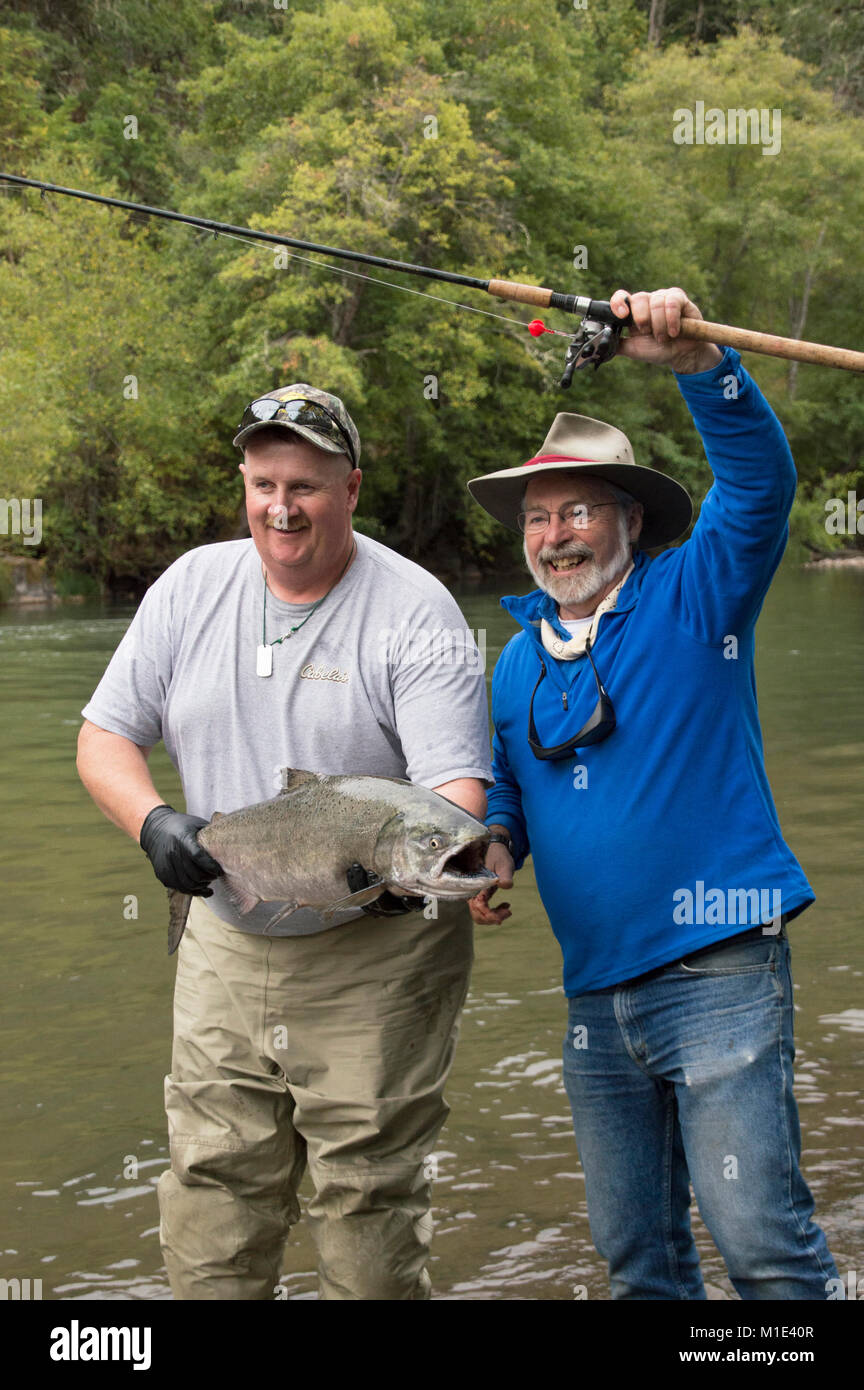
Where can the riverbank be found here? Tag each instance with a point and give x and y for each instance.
(24, 582)
(850, 559)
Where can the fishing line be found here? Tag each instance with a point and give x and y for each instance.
(143, 217)
(374, 280)
(596, 340)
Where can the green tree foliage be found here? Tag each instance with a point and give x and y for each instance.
(760, 238)
(98, 392)
(21, 118)
(533, 142)
(828, 36)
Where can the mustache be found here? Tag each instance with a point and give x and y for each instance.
(278, 523)
(571, 550)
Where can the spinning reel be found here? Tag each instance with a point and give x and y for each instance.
(595, 341)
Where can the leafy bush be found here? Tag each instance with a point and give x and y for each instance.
(75, 584)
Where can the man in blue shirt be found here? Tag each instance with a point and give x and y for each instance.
(628, 762)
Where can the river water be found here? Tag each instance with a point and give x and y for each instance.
(86, 990)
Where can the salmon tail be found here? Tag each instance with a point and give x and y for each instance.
(178, 911)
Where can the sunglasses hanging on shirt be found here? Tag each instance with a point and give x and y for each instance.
(598, 727)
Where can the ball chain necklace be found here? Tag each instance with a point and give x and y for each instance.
(264, 654)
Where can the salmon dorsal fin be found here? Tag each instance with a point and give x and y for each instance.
(294, 777)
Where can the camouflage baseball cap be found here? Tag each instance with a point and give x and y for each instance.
(304, 410)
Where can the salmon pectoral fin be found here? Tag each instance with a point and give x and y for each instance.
(365, 895)
(178, 911)
(359, 899)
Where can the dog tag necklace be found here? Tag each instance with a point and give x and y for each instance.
(264, 653)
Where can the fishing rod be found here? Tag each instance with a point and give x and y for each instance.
(595, 341)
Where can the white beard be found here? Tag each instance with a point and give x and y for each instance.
(589, 579)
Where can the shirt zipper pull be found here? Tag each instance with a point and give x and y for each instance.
(564, 698)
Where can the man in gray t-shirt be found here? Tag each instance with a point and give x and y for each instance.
(325, 1045)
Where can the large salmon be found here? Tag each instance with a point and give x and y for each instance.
(297, 849)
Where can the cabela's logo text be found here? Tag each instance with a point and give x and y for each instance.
(323, 673)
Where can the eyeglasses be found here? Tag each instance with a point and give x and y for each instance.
(299, 412)
(598, 727)
(579, 515)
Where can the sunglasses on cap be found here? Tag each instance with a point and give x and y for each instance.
(299, 412)
(598, 727)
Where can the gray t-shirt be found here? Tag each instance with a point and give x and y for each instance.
(384, 679)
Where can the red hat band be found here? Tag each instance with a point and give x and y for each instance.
(556, 458)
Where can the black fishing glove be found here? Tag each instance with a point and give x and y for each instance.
(168, 839)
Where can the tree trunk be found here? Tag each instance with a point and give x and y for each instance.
(655, 21)
(343, 316)
(798, 320)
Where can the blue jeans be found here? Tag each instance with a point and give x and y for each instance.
(685, 1075)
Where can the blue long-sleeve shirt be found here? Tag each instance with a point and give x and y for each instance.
(664, 837)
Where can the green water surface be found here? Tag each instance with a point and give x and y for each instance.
(86, 989)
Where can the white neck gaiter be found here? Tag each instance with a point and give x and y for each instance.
(569, 650)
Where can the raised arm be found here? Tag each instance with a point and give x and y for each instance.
(738, 541)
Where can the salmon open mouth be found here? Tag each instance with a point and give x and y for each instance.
(462, 870)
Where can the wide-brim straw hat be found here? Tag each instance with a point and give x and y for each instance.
(579, 444)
